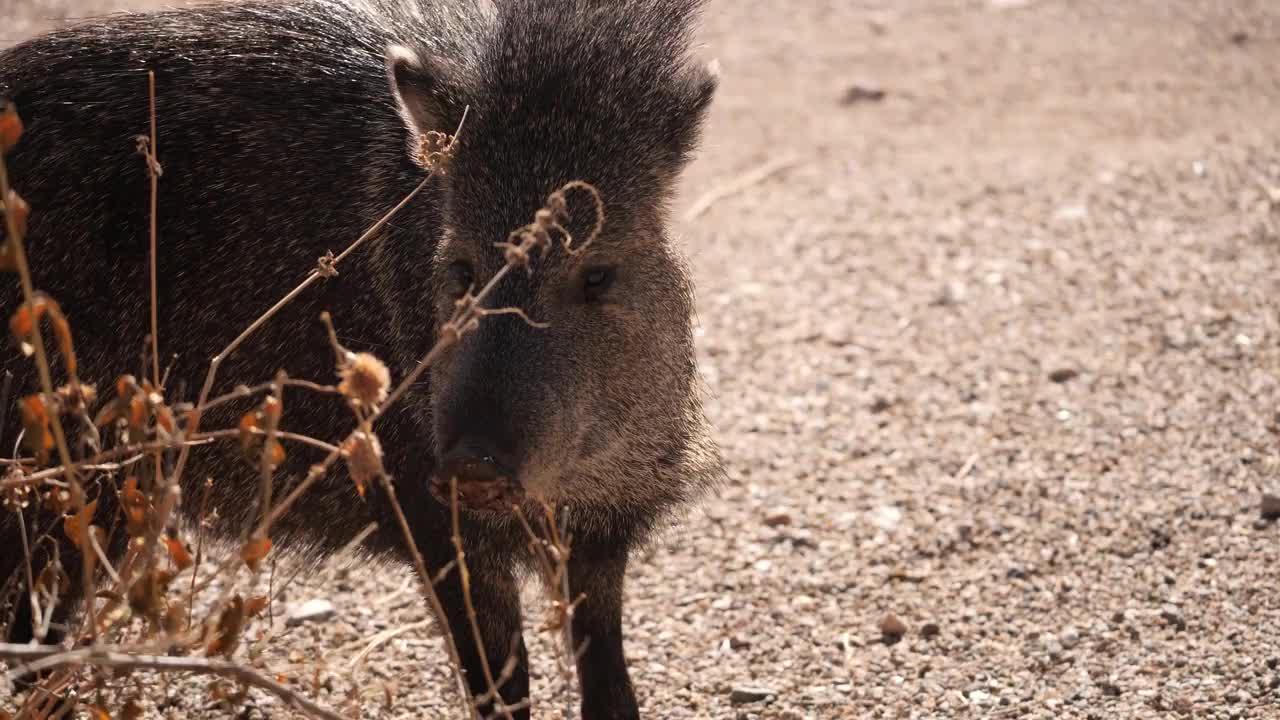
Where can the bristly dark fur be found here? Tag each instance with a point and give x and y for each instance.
(283, 128)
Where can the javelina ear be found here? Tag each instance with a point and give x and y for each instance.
(706, 79)
(699, 88)
(418, 85)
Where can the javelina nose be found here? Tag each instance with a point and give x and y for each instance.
(485, 481)
(471, 462)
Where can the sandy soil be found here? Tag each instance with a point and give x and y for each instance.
(994, 353)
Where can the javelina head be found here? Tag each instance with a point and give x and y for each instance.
(601, 406)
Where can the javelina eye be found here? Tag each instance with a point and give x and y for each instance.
(461, 278)
(595, 282)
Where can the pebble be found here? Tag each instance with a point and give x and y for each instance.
(1173, 618)
(892, 628)
(930, 630)
(886, 517)
(314, 610)
(745, 695)
(1064, 374)
(1270, 506)
(1070, 637)
(861, 92)
(777, 518)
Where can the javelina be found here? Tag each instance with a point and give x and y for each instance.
(284, 129)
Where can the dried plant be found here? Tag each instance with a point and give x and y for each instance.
(119, 443)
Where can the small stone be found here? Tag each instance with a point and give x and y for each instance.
(930, 630)
(314, 610)
(778, 518)
(1109, 689)
(1065, 374)
(1173, 618)
(885, 517)
(1239, 37)
(1270, 506)
(1070, 637)
(1071, 213)
(861, 92)
(892, 628)
(745, 695)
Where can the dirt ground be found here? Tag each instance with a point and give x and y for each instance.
(994, 350)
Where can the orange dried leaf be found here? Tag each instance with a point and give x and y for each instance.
(76, 526)
(230, 623)
(136, 508)
(137, 412)
(37, 436)
(97, 713)
(62, 330)
(248, 426)
(254, 550)
(178, 552)
(107, 415)
(146, 596)
(22, 322)
(255, 605)
(10, 127)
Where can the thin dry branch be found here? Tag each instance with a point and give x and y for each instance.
(464, 576)
(46, 657)
(738, 184)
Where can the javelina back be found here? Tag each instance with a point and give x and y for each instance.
(286, 128)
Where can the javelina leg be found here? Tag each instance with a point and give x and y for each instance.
(602, 670)
(495, 595)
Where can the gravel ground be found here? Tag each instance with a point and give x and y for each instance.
(994, 352)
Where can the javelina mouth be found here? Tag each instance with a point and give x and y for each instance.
(482, 485)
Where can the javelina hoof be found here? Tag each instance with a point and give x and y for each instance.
(482, 485)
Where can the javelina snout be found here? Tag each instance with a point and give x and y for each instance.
(283, 127)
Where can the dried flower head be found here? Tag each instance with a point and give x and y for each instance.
(363, 453)
(435, 150)
(365, 380)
